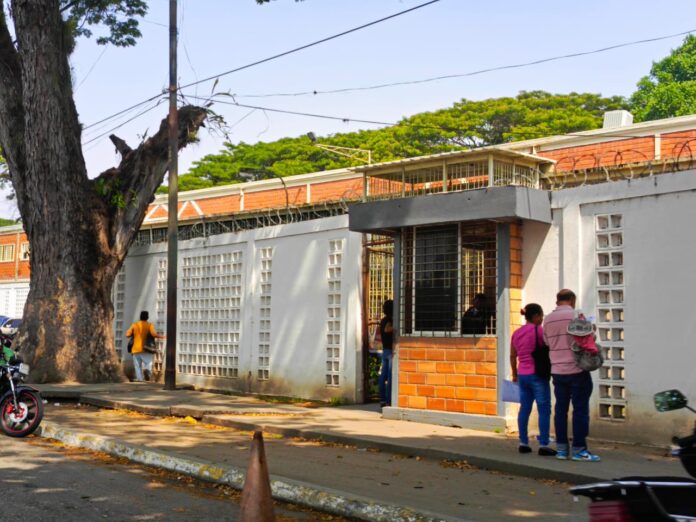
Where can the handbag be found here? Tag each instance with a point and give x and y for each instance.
(586, 360)
(150, 345)
(130, 344)
(542, 361)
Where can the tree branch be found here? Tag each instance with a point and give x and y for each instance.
(139, 174)
(121, 146)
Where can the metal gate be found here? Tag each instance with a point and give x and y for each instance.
(378, 282)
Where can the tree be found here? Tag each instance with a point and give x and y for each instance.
(670, 88)
(466, 124)
(79, 228)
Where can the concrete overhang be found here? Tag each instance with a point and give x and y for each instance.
(497, 203)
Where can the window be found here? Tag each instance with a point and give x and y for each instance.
(24, 251)
(7, 253)
(449, 279)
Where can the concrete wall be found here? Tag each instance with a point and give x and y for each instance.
(299, 316)
(659, 248)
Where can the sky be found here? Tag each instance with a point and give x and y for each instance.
(447, 37)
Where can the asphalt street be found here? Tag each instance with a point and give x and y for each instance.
(48, 482)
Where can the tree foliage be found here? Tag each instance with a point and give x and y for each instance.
(79, 228)
(670, 88)
(466, 124)
(119, 17)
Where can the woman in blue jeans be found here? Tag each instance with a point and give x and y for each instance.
(532, 387)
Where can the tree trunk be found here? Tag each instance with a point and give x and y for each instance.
(79, 229)
(68, 334)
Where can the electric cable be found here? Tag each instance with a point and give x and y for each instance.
(346, 119)
(467, 74)
(268, 59)
(307, 46)
(141, 113)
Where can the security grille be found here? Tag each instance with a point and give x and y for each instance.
(210, 315)
(610, 314)
(265, 288)
(380, 251)
(449, 280)
(333, 322)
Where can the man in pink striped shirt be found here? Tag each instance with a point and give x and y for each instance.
(570, 382)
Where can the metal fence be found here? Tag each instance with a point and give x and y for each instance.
(453, 176)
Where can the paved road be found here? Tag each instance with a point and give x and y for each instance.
(49, 483)
(451, 488)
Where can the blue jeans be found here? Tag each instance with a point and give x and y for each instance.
(385, 377)
(142, 361)
(534, 388)
(575, 388)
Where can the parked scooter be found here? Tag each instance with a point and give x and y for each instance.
(654, 499)
(21, 406)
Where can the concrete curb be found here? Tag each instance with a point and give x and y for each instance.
(486, 463)
(286, 490)
(479, 461)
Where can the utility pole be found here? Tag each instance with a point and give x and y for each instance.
(173, 218)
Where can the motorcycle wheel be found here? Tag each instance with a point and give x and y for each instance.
(24, 422)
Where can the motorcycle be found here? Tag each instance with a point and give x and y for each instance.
(21, 406)
(654, 499)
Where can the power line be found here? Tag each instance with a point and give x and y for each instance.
(270, 58)
(346, 119)
(296, 113)
(471, 73)
(91, 69)
(123, 111)
(141, 113)
(307, 46)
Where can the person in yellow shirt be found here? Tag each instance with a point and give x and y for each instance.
(142, 359)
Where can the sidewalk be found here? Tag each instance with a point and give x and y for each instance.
(398, 462)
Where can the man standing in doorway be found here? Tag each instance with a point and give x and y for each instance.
(571, 384)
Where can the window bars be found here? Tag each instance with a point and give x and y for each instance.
(449, 281)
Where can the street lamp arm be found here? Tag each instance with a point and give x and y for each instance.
(348, 152)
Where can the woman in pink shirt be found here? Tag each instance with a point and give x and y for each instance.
(532, 387)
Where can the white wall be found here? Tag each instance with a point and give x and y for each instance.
(659, 247)
(299, 300)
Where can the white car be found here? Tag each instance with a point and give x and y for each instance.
(10, 327)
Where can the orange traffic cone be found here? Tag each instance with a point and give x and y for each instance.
(257, 501)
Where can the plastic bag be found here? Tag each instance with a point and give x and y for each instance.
(511, 391)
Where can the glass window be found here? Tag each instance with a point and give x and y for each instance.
(7, 253)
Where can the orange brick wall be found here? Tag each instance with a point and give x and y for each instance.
(15, 269)
(333, 190)
(516, 304)
(678, 144)
(448, 374)
(632, 150)
(219, 205)
(275, 198)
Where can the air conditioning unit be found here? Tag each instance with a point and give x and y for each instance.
(614, 119)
